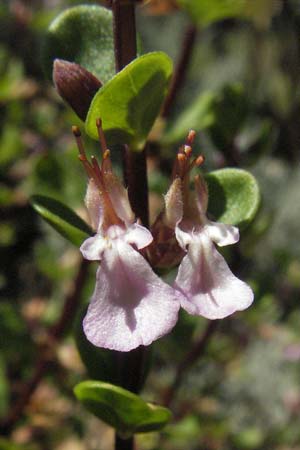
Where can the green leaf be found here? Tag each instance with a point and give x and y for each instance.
(62, 219)
(126, 412)
(130, 102)
(234, 196)
(205, 12)
(82, 34)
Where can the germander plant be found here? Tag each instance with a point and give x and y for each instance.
(132, 304)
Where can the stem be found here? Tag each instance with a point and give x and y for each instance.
(124, 444)
(135, 166)
(192, 356)
(135, 175)
(181, 68)
(45, 357)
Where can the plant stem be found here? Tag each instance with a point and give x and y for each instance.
(181, 69)
(45, 357)
(135, 167)
(189, 359)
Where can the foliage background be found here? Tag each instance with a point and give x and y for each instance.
(244, 393)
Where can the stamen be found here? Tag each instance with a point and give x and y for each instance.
(106, 162)
(101, 135)
(188, 150)
(182, 160)
(96, 167)
(88, 168)
(197, 162)
(191, 137)
(77, 134)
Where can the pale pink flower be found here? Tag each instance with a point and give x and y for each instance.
(131, 305)
(207, 285)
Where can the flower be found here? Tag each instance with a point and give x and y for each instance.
(207, 285)
(131, 305)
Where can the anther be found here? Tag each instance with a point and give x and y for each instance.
(188, 150)
(199, 160)
(191, 137)
(77, 134)
(76, 131)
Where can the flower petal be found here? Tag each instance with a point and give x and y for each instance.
(138, 235)
(131, 305)
(93, 247)
(222, 234)
(210, 288)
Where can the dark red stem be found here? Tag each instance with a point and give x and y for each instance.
(135, 167)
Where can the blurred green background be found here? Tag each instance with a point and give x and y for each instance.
(242, 94)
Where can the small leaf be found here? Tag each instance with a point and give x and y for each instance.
(130, 102)
(126, 412)
(234, 196)
(82, 34)
(62, 219)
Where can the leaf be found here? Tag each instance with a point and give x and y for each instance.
(126, 412)
(62, 219)
(82, 34)
(234, 196)
(130, 102)
(205, 12)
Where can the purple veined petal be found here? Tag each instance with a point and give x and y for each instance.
(94, 205)
(222, 234)
(210, 288)
(131, 305)
(138, 235)
(93, 247)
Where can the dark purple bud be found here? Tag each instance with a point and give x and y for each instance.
(76, 85)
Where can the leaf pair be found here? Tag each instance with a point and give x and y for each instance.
(129, 101)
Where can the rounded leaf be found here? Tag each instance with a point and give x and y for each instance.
(234, 196)
(126, 412)
(62, 219)
(130, 102)
(84, 35)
